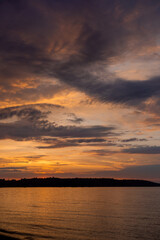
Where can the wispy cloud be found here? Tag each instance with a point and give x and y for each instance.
(100, 33)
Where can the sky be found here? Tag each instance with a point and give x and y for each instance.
(80, 88)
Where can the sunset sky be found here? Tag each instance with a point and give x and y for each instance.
(80, 88)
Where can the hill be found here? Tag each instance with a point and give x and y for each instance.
(76, 182)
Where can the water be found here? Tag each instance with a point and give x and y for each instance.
(80, 213)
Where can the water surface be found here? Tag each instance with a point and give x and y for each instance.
(81, 213)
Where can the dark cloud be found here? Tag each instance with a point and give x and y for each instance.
(133, 140)
(17, 173)
(61, 143)
(118, 91)
(131, 150)
(32, 123)
(50, 46)
(103, 152)
(26, 113)
(143, 150)
(150, 172)
(24, 130)
(152, 107)
(30, 112)
(35, 156)
(66, 41)
(12, 169)
(74, 119)
(31, 93)
(135, 172)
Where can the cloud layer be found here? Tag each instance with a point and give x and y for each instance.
(66, 42)
(30, 122)
(64, 94)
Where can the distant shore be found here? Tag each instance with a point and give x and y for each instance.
(76, 182)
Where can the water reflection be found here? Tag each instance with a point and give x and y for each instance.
(81, 213)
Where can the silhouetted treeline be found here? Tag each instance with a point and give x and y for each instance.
(76, 182)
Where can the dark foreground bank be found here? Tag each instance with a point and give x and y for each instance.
(4, 237)
(76, 182)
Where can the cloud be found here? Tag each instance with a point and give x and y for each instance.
(118, 91)
(135, 172)
(74, 119)
(143, 150)
(33, 123)
(153, 107)
(133, 140)
(148, 172)
(12, 169)
(61, 143)
(131, 150)
(36, 42)
(22, 130)
(30, 112)
(49, 47)
(103, 152)
(31, 93)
